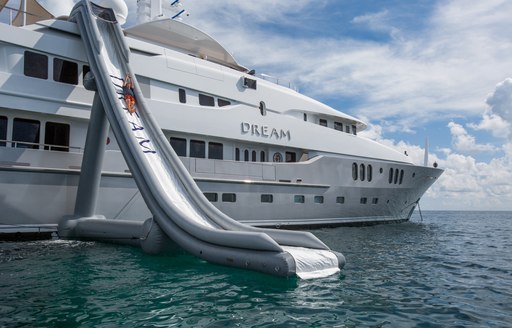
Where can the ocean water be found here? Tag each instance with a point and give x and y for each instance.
(453, 269)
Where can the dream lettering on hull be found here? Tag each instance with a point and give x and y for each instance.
(265, 131)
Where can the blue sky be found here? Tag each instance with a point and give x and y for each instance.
(410, 69)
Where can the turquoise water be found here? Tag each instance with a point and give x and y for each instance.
(454, 269)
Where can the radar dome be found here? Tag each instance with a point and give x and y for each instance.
(118, 6)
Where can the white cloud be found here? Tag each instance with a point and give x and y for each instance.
(494, 124)
(500, 102)
(379, 22)
(464, 142)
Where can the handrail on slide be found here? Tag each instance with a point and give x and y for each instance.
(180, 210)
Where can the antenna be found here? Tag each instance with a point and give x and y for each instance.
(148, 10)
(425, 157)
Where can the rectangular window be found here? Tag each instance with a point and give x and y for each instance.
(291, 157)
(249, 83)
(266, 198)
(212, 196)
(354, 130)
(338, 126)
(237, 154)
(323, 122)
(197, 148)
(179, 145)
(215, 150)
(56, 136)
(363, 200)
(3, 131)
(375, 201)
(222, 102)
(26, 133)
(229, 198)
(347, 128)
(299, 199)
(340, 200)
(305, 117)
(65, 71)
(205, 100)
(35, 65)
(182, 96)
(319, 199)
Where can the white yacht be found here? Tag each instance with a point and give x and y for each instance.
(260, 151)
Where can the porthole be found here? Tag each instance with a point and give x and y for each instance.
(277, 157)
(263, 108)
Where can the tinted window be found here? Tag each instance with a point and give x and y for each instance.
(263, 108)
(375, 201)
(180, 146)
(197, 148)
(347, 128)
(262, 156)
(253, 156)
(338, 126)
(267, 198)
(3, 130)
(211, 196)
(229, 198)
(35, 65)
(249, 83)
(65, 71)
(390, 179)
(362, 172)
(305, 117)
(340, 200)
(401, 176)
(182, 95)
(396, 176)
(205, 100)
(319, 199)
(369, 173)
(291, 157)
(222, 102)
(363, 200)
(26, 133)
(246, 155)
(215, 150)
(354, 130)
(299, 198)
(237, 154)
(354, 171)
(56, 134)
(323, 122)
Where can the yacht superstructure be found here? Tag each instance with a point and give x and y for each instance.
(261, 152)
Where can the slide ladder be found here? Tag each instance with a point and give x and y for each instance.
(180, 210)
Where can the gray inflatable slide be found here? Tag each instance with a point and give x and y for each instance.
(180, 211)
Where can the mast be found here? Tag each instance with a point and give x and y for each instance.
(425, 156)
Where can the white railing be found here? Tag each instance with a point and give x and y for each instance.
(40, 146)
(279, 81)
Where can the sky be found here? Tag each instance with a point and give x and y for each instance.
(436, 69)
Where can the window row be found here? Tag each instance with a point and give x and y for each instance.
(348, 128)
(362, 172)
(26, 134)
(396, 176)
(197, 148)
(269, 198)
(204, 100)
(37, 65)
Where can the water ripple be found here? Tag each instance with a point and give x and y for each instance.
(454, 269)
